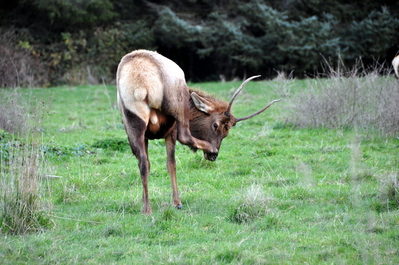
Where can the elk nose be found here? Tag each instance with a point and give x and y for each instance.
(211, 156)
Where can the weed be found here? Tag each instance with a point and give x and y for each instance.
(228, 256)
(13, 114)
(21, 168)
(20, 195)
(6, 140)
(19, 67)
(168, 213)
(388, 198)
(253, 204)
(113, 230)
(112, 144)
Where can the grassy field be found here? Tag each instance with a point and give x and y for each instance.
(276, 194)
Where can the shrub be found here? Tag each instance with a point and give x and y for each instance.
(21, 210)
(21, 168)
(12, 113)
(19, 63)
(357, 98)
(388, 198)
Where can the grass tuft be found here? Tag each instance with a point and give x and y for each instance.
(21, 210)
(112, 144)
(389, 193)
(168, 213)
(21, 167)
(13, 115)
(252, 204)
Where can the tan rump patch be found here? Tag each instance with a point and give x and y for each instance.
(140, 94)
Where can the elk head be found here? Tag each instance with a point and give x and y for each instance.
(212, 119)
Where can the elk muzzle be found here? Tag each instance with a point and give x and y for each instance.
(211, 156)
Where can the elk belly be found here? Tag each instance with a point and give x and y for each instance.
(159, 125)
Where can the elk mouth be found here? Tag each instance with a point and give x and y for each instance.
(211, 156)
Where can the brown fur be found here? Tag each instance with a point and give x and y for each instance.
(154, 100)
(202, 124)
(155, 103)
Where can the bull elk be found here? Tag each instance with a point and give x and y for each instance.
(156, 103)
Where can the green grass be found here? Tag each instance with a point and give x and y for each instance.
(276, 194)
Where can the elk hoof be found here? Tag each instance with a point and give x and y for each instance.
(179, 206)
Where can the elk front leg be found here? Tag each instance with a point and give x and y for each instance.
(180, 110)
(170, 142)
(144, 165)
(184, 136)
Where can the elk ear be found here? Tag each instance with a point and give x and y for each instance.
(202, 103)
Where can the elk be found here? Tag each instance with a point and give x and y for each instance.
(395, 64)
(156, 103)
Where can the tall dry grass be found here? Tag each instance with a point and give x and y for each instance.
(13, 112)
(22, 167)
(341, 98)
(21, 207)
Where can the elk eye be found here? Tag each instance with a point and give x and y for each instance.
(215, 125)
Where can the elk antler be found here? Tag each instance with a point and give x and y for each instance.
(258, 112)
(228, 111)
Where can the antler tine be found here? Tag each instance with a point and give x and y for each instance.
(258, 112)
(236, 93)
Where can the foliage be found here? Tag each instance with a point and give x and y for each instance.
(172, 31)
(360, 37)
(20, 64)
(79, 42)
(112, 144)
(75, 13)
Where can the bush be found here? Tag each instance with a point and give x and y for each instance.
(13, 115)
(388, 198)
(19, 63)
(21, 209)
(357, 98)
(21, 168)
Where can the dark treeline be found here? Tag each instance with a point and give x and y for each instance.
(50, 42)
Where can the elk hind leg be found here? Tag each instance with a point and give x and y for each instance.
(135, 128)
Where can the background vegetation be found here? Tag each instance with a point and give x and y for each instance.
(47, 42)
(284, 190)
(313, 180)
